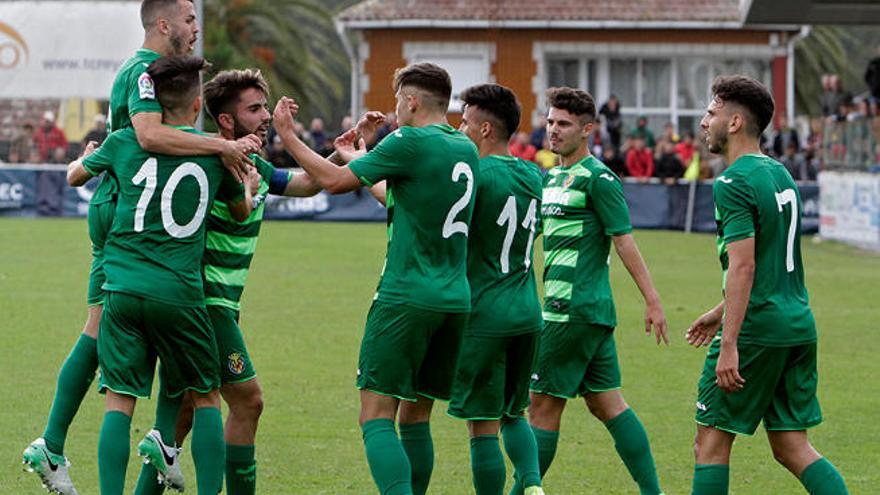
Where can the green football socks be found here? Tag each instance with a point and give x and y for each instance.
(487, 465)
(419, 448)
(631, 442)
(208, 450)
(387, 459)
(522, 449)
(74, 379)
(241, 470)
(711, 479)
(822, 478)
(547, 441)
(167, 409)
(113, 452)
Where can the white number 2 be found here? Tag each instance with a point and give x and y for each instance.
(147, 173)
(451, 227)
(785, 197)
(508, 216)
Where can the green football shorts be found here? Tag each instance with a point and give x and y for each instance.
(780, 388)
(492, 378)
(235, 362)
(575, 359)
(408, 351)
(100, 219)
(134, 331)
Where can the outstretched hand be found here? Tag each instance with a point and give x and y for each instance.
(656, 319)
(349, 146)
(285, 111)
(89, 149)
(368, 125)
(703, 329)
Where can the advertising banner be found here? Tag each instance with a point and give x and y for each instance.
(65, 49)
(18, 192)
(850, 208)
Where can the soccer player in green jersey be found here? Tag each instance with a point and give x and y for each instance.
(237, 100)
(491, 387)
(414, 326)
(761, 364)
(155, 302)
(583, 213)
(170, 29)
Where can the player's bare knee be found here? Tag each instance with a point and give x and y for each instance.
(545, 411)
(210, 399)
(415, 412)
(605, 406)
(93, 321)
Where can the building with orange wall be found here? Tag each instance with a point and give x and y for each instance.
(657, 56)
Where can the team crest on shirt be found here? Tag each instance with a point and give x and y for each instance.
(146, 89)
(568, 181)
(236, 363)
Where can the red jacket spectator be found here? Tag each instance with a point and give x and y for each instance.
(520, 147)
(639, 162)
(48, 137)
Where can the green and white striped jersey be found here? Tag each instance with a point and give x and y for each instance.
(583, 206)
(230, 245)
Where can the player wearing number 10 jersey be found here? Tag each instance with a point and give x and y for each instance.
(155, 303)
(414, 327)
(762, 365)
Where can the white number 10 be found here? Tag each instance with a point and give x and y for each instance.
(147, 173)
(785, 197)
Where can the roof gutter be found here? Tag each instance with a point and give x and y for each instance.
(555, 24)
(353, 62)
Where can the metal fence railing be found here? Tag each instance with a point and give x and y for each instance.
(851, 144)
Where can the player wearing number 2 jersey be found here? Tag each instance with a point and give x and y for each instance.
(491, 387)
(414, 327)
(761, 365)
(155, 301)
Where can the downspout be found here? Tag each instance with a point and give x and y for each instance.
(789, 70)
(354, 109)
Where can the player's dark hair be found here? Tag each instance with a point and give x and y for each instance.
(223, 91)
(498, 102)
(427, 77)
(177, 80)
(749, 94)
(574, 101)
(152, 10)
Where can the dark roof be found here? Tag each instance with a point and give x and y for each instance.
(549, 11)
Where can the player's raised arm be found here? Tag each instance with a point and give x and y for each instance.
(632, 259)
(77, 174)
(157, 138)
(334, 179)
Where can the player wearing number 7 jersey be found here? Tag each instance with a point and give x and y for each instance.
(414, 326)
(155, 301)
(761, 365)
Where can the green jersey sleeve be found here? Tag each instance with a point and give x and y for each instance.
(142, 95)
(734, 201)
(102, 159)
(610, 204)
(230, 190)
(386, 161)
(264, 168)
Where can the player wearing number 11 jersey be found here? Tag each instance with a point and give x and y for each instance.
(153, 256)
(414, 327)
(762, 365)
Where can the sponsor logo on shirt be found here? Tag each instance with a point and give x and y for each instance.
(146, 89)
(568, 181)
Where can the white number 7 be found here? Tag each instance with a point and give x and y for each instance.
(785, 197)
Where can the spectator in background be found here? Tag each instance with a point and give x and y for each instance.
(23, 147)
(539, 134)
(278, 156)
(668, 166)
(545, 158)
(48, 137)
(785, 134)
(610, 111)
(612, 159)
(520, 147)
(641, 131)
(833, 96)
(685, 148)
(669, 134)
(872, 76)
(639, 160)
(796, 164)
(59, 155)
(98, 132)
(321, 142)
(345, 125)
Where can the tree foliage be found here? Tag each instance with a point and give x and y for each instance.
(826, 50)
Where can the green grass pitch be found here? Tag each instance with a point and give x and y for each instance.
(303, 315)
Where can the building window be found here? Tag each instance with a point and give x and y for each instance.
(467, 63)
(574, 72)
